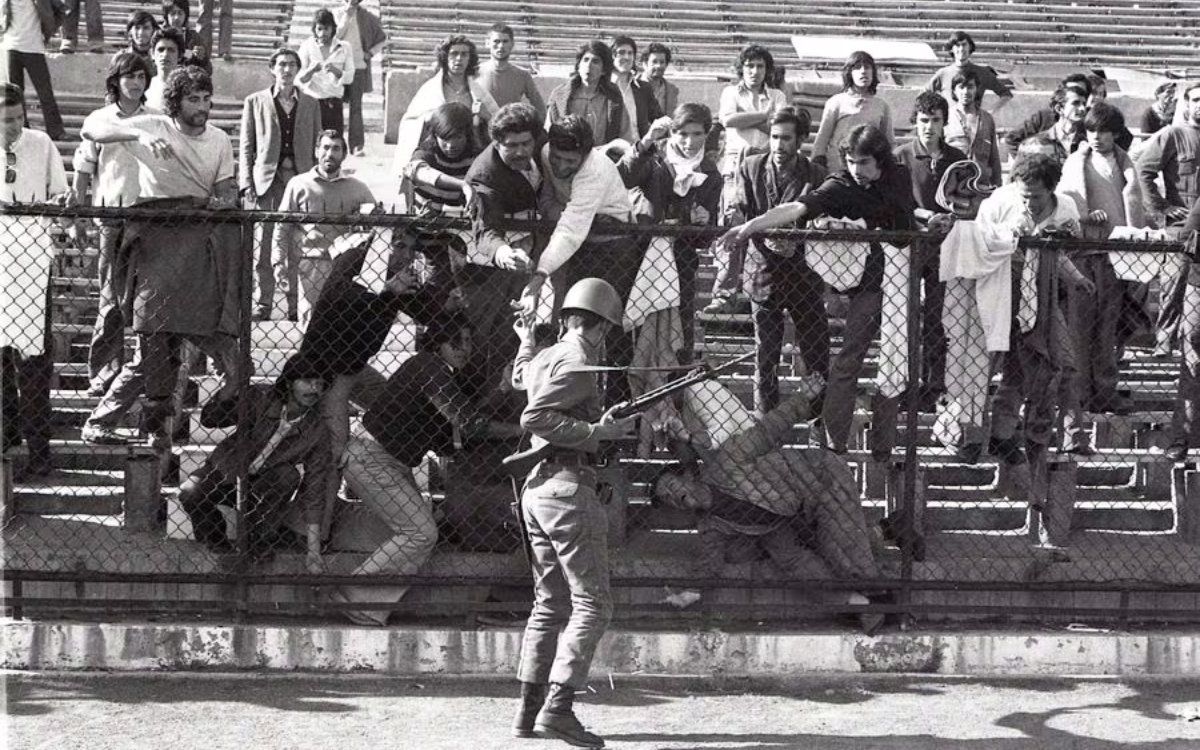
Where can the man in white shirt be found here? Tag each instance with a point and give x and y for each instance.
(746, 111)
(641, 106)
(108, 176)
(506, 82)
(24, 29)
(33, 172)
(184, 290)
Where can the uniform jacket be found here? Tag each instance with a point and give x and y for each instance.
(258, 151)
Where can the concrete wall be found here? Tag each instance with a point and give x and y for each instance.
(83, 73)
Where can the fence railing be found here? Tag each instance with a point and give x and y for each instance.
(875, 454)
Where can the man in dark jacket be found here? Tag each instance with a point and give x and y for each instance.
(286, 431)
(776, 276)
(634, 91)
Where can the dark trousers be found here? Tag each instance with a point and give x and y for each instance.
(269, 201)
(204, 25)
(332, 114)
(687, 261)
(798, 291)
(106, 355)
(20, 63)
(95, 21)
(1172, 281)
(1185, 422)
(26, 408)
(356, 135)
(862, 326)
(209, 488)
(486, 294)
(933, 332)
(1094, 319)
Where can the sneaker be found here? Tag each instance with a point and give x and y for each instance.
(98, 434)
(67, 47)
(720, 306)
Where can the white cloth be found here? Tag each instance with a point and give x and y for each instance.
(322, 84)
(710, 408)
(839, 263)
(26, 248)
(428, 98)
(966, 254)
(656, 286)
(892, 377)
(686, 175)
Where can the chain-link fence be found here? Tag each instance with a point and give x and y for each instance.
(832, 420)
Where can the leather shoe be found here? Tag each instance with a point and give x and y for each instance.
(565, 727)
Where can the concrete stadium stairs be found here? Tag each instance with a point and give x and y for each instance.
(1128, 520)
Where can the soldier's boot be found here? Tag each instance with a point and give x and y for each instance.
(533, 695)
(557, 720)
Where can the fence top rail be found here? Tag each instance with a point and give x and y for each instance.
(393, 220)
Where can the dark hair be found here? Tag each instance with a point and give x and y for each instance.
(1077, 86)
(799, 119)
(1042, 141)
(856, 59)
(442, 329)
(123, 64)
(324, 17)
(335, 135)
(867, 140)
(12, 96)
(502, 28)
(171, 34)
(572, 133)
(1031, 168)
(300, 367)
(1164, 86)
(283, 52)
(621, 40)
(451, 118)
(139, 17)
(1104, 118)
(443, 53)
(963, 77)
(1096, 81)
(754, 52)
(960, 37)
(691, 112)
(928, 103)
(183, 81)
(183, 5)
(598, 49)
(656, 48)
(517, 117)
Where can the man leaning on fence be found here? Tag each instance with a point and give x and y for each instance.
(566, 523)
(184, 274)
(33, 173)
(287, 450)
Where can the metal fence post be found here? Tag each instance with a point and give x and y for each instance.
(246, 366)
(908, 540)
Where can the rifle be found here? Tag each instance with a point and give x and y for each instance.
(521, 463)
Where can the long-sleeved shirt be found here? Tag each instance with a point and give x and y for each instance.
(113, 168)
(596, 189)
(976, 138)
(985, 75)
(564, 401)
(842, 113)
(499, 193)
(322, 84)
(511, 84)
(420, 409)
(927, 172)
(1175, 153)
(736, 99)
(311, 193)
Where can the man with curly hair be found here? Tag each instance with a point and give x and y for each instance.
(180, 273)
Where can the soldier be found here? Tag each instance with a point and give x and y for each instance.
(564, 520)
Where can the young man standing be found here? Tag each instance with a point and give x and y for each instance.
(746, 111)
(166, 50)
(108, 176)
(320, 190)
(33, 173)
(184, 291)
(971, 130)
(927, 158)
(1172, 153)
(25, 25)
(640, 104)
(364, 32)
(778, 280)
(655, 61)
(139, 31)
(564, 521)
(95, 26)
(278, 140)
(961, 46)
(204, 23)
(506, 82)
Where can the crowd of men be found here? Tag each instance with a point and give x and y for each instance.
(611, 147)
